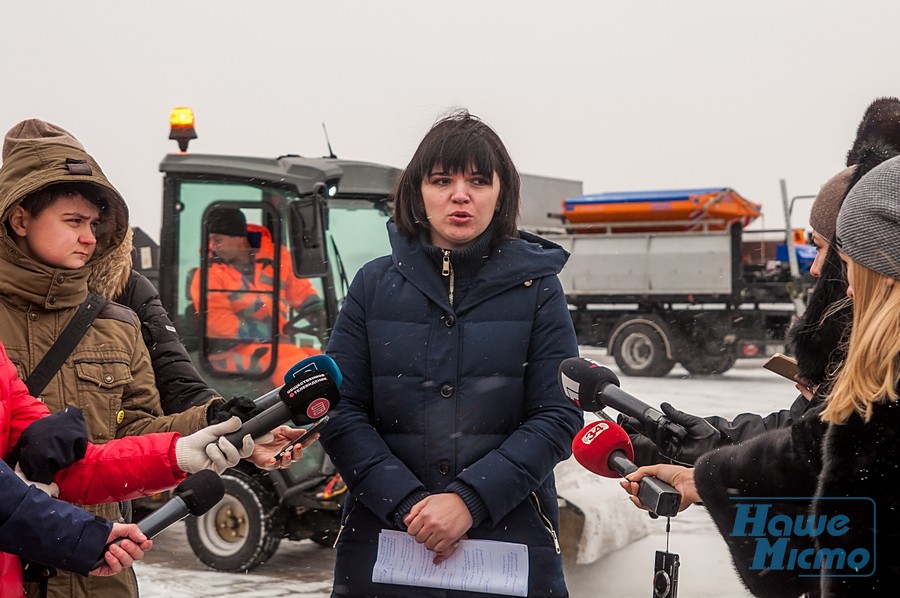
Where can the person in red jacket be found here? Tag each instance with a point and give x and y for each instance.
(238, 299)
(121, 469)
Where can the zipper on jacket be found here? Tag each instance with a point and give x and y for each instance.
(344, 519)
(447, 270)
(547, 523)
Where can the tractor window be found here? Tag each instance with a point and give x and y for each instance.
(242, 335)
(357, 233)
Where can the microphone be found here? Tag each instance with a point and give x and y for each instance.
(314, 363)
(591, 387)
(604, 448)
(305, 399)
(310, 364)
(196, 495)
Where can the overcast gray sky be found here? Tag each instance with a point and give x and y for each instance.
(642, 95)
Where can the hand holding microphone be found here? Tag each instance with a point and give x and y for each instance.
(678, 476)
(701, 437)
(603, 448)
(210, 449)
(120, 554)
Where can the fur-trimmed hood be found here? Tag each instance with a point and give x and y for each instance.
(109, 274)
(37, 154)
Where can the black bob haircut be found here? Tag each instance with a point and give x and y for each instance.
(459, 142)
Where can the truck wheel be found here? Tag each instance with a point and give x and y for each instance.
(640, 350)
(705, 364)
(242, 531)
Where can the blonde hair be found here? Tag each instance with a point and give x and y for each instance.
(871, 369)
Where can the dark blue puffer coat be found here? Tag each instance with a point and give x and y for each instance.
(434, 393)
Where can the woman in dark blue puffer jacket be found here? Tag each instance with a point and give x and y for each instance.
(452, 420)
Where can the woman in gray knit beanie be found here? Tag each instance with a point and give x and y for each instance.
(868, 238)
(861, 447)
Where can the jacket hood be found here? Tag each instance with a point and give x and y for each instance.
(31, 164)
(35, 128)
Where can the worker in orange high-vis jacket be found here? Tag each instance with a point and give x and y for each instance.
(239, 297)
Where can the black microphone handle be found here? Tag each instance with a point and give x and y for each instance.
(613, 396)
(620, 463)
(661, 498)
(261, 424)
(270, 398)
(173, 511)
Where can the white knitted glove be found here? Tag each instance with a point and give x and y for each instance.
(207, 449)
(51, 489)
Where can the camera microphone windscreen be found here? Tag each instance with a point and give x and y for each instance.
(604, 448)
(200, 492)
(582, 380)
(321, 362)
(597, 442)
(314, 363)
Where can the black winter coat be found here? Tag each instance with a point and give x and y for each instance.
(851, 469)
(439, 396)
(180, 384)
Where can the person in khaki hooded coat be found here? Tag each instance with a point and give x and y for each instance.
(108, 375)
(179, 383)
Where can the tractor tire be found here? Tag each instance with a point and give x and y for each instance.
(640, 350)
(242, 531)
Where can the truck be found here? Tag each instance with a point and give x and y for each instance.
(330, 214)
(674, 276)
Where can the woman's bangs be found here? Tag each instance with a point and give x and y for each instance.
(460, 153)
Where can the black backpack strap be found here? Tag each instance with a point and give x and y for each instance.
(38, 573)
(42, 374)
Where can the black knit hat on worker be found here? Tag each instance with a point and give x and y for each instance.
(868, 225)
(227, 221)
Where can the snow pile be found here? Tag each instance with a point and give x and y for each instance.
(611, 522)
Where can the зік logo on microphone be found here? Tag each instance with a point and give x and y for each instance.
(809, 535)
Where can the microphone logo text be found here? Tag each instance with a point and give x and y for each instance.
(598, 429)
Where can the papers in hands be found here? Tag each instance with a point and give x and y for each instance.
(476, 566)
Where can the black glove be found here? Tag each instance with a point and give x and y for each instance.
(240, 406)
(50, 444)
(701, 437)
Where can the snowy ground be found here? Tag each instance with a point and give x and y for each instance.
(304, 569)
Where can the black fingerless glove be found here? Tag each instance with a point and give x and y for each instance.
(240, 406)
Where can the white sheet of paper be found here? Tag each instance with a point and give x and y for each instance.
(476, 566)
